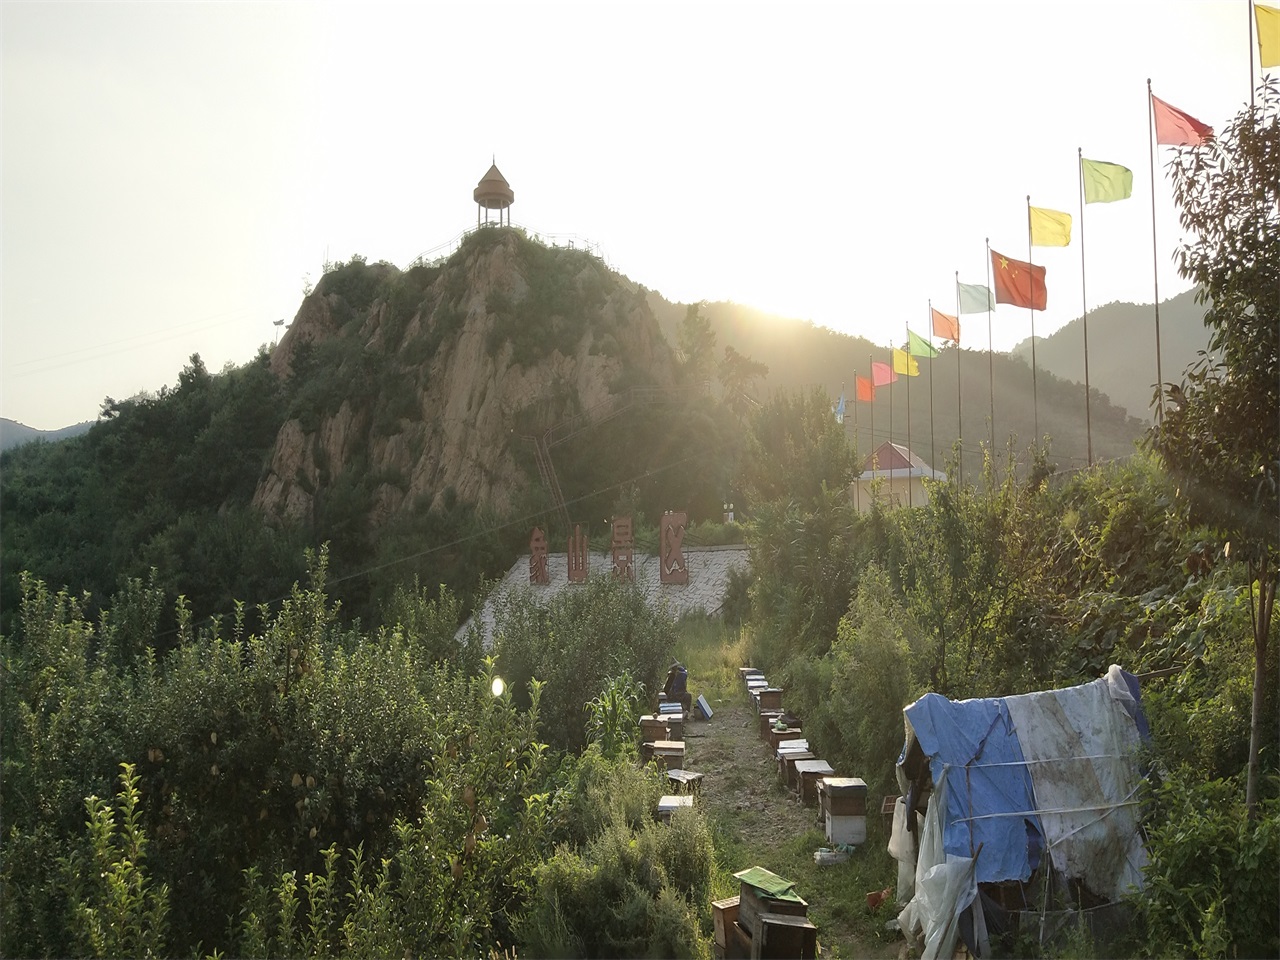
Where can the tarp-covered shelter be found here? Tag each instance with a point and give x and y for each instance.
(996, 791)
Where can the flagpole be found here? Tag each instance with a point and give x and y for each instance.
(1084, 299)
(857, 496)
(991, 364)
(1252, 17)
(1155, 258)
(1035, 395)
(872, 370)
(910, 498)
(959, 412)
(932, 436)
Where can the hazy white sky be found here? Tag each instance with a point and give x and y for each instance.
(172, 171)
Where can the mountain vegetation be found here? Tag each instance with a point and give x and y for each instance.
(240, 716)
(14, 434)
(1122, 346)
(997, 400)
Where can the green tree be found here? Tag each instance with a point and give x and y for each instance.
(738, 375)
(697, 343)
(1221, 431)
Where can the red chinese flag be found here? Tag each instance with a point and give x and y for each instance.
(1177, 129)
(866, 390)
(946, 326)
(882, 374)
(1018, 283)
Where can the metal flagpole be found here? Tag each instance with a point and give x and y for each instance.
(1252, 17)
(1155, 259)
(1035, 396)
(959, 411)
(872, 371)
(932, 436)
(1088, 420)
(910, 499)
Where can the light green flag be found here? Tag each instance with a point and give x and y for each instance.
(918, 346)
(975, 298)
(1105, 182)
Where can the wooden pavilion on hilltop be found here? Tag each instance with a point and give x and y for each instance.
(494, 193)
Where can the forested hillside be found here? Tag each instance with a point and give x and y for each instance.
(802, 356)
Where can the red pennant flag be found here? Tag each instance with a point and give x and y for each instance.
(1018, 283)
(866, 389)
(882, 374)
(946, 326)
(1177, 129)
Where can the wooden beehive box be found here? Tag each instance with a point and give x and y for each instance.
(771, 698)
(808, 773)
(724, 914)
(670, 803)
(787, 762)
(781, 736)
(784, 937)
(843, 796)
(669, 753)
(754, 903)
(766, 721)
(653, 728)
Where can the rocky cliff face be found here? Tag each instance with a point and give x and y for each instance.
(419, 388)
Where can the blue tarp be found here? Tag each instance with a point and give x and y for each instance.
(975, 744)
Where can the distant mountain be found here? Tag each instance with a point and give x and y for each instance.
(801, 355)
(1122, 348)
(14, 434)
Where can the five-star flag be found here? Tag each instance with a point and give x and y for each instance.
(1049, 228)
(1177, 129)
(882, 374)
(866, 389)
(918, 346)
(1018, 283)
(1105, 182)
(946, 326)
(905, 364)
(1267, 20)
(974, 298)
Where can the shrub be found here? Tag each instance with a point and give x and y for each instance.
(1211, 878)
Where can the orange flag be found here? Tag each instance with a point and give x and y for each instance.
(866, 389)
(946, 326)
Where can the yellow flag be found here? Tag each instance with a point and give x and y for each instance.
(1049, 228)
(905, 364)
(1268, 21)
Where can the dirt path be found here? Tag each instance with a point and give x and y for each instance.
(742, 792)
(740, 779)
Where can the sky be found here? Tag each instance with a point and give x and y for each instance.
(175, 174)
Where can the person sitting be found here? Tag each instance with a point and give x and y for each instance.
(676, 687)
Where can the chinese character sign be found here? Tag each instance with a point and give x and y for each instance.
(538, 573)
(624, 565)
(578, 554)
(672, 567)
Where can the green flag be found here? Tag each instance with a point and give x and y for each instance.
(1105, 182)
(918, 346)
(975, 298)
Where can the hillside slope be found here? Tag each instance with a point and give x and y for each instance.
(1122, 348)
(802, 356)
(429, 382)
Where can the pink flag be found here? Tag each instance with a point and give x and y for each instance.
(881, 374)
(1177, 129)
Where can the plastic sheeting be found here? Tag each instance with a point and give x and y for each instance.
(978, 741)
(1081, 743)
(1056, 768)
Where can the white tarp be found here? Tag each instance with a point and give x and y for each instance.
(1080, 745)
